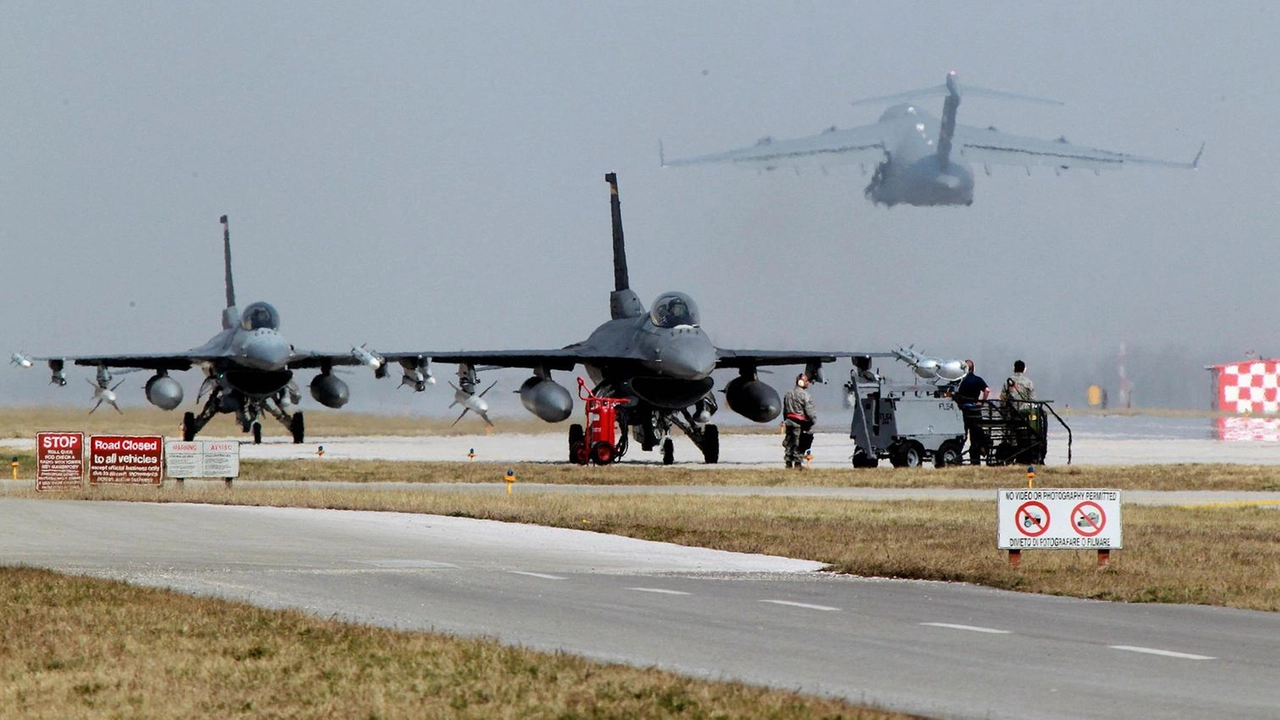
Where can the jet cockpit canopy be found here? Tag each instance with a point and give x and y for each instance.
(674, 309)
(259, 316)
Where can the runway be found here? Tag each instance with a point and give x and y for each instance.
(944, 650)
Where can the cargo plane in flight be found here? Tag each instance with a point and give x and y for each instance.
(923, 160)
(248, 369)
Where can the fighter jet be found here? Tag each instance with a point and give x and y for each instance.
(660, 360)
(248, 369)
(921, 160)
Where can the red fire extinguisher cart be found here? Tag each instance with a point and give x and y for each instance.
(598, 441)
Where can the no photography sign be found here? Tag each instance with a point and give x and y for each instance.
(1065, 519)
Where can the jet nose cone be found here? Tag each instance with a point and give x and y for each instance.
(265, 351)
(688, 356)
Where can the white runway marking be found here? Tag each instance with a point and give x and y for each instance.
(970, 628)
(1162, 653)
(544, 576)
(660, 591)
(826, 608)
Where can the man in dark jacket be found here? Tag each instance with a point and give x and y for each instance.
(969, 395)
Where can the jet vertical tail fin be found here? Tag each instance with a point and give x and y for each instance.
(623, 302)
(620, 279)
(229, 315)
(947, 129)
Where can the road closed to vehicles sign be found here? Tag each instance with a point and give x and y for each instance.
(125, 459)
(1067, 519)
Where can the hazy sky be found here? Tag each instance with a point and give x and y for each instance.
(430, 175)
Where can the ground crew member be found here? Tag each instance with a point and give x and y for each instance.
(1018, 387)
(970, 394)
(799, 416)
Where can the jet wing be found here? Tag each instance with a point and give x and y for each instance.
(756, 358)
(830, 147)
(561, 359)
(185, 360)
(301, 359)
(988, 145)
(143, 361)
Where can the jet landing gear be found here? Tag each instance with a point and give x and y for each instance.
(247, 414)
(706, 437)
(275, 409)
(657, 431)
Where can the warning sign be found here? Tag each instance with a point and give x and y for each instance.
(125, 459)
(59, 460)
(1069, 519)
(202, 459)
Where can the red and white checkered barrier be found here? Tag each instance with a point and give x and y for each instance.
(1249, 388)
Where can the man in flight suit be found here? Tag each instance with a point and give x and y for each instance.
(798, 417)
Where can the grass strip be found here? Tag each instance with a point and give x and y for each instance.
(1139, 477)
(1188, 477)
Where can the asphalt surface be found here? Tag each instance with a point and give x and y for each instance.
(945, 650)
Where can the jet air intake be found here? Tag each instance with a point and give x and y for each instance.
(548, 400)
